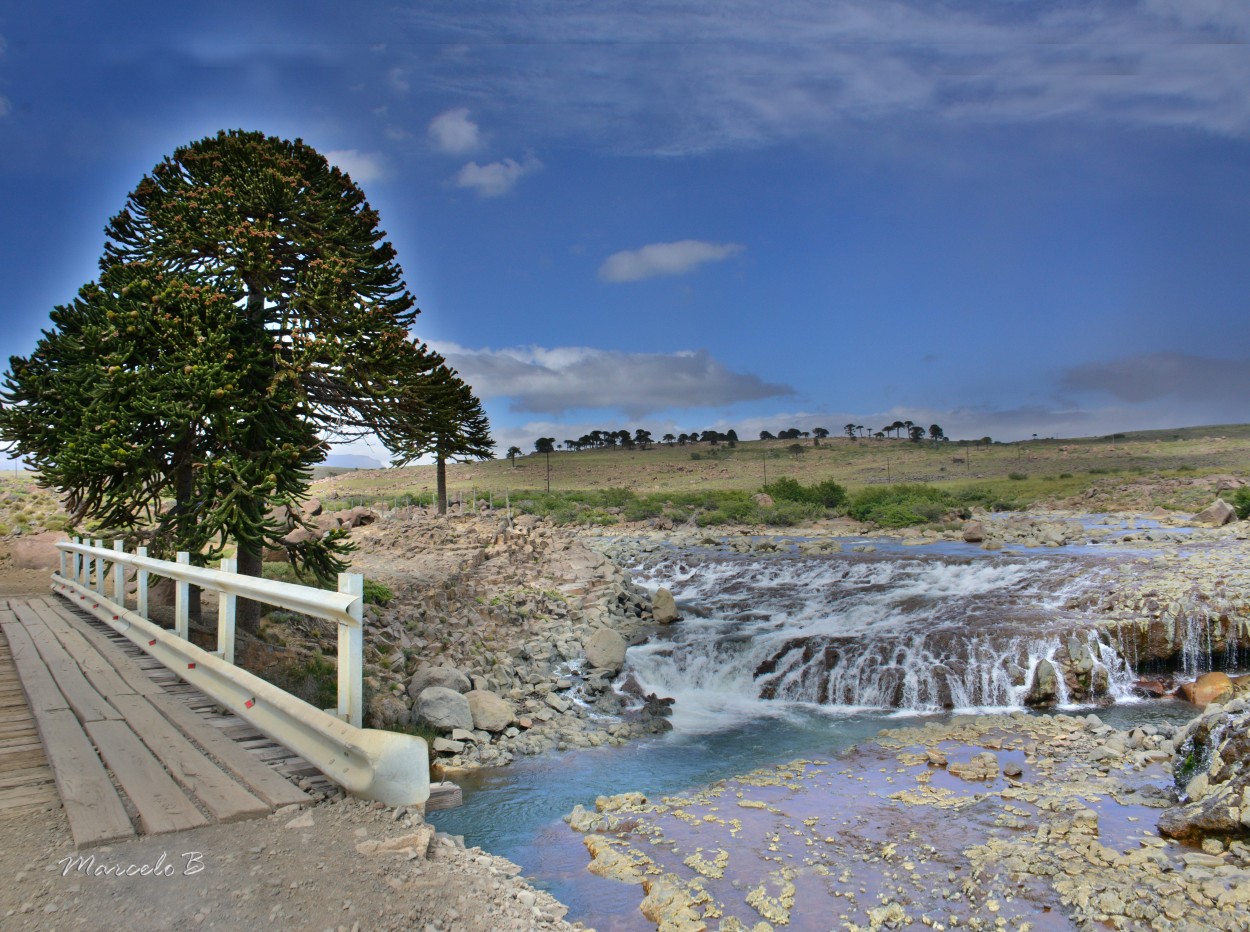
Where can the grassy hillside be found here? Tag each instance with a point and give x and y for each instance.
(1029, 472)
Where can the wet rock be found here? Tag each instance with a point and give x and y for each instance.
(982, 767)
(1212, 764)
(606, 650)
(1208, 688)
(1044, 690)
(664, 607)
(669, 906)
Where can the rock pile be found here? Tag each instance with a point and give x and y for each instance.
(1212, 770)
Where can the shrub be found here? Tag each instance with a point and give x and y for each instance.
(377, 593)
(825, 493)
(1241, 501)
(1017, 476)
(900, 505)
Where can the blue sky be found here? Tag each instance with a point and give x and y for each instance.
(1009, 218)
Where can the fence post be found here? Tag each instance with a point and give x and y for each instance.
(119, 575)
(351, 652)
(182, 595)
(64, 562)
(226, 604)
(141, 585)
(100, 571)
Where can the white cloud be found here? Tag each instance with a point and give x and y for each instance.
(495, 178)
(362, 166)
(658, 259)
(453, 132)
(559, 379)
(758, 74)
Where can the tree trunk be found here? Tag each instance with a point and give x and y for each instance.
(440, 483)
(184, 490)
(247, 612)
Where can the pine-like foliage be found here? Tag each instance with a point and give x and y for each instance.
(248, 308)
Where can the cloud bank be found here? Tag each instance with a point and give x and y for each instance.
(755, 73)
(1153, 376)
(661, 259)
(551, 381)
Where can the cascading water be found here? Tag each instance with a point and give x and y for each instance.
(846, 631)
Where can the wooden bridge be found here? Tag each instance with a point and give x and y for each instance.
(88, 719)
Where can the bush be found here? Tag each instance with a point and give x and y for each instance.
(1017, 476)
(900, 505)
(376, 593)
(1241, 501)
(825, 493)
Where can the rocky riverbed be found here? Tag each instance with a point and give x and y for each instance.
(1006, 821)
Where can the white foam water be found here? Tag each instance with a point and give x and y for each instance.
(789, 634)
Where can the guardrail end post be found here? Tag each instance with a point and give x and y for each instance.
(351, 652)
(100, 571)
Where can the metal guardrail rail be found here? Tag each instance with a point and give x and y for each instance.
(381, 765)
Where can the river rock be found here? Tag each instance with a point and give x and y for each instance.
(1217, 514)
(1044, 689)
(664, 607)
(490, 712)
(1208, 688)
(983, 766)
(442, 708)
(447, 677)
(1211, 762)
(606, 650)
(974, 532)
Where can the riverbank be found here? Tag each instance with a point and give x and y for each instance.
(1003, 821)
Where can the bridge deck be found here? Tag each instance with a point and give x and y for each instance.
(129, 744)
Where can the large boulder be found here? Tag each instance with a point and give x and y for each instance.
(974, 532)
(37, 551)
(1208, 688)
(1217, 514)
(1044, 690)
(447, 677)
(664, 607)
(490, 712)
(442, 708)
(605, 650)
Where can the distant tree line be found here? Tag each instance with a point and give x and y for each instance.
(641, 439)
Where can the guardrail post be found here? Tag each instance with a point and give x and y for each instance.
(351, 652)
(100, 571)
(76, 562)
(63, 562)
(119, 576)
(141, 585)
(182, 595)
(226, 605)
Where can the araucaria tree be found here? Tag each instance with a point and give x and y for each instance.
(248, 309)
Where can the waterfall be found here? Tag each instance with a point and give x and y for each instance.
(842, 632)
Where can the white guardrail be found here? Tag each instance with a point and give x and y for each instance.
(381, 765)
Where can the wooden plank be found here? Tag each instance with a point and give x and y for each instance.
(94, 809)
(94, 666)
(22, 797)
(261, 779)
(27, 775)
(162, 806)
(32, 757)
(82, 697)
(125, 667)
(41, 690)
(224, 798)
